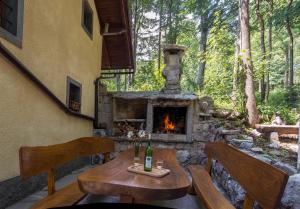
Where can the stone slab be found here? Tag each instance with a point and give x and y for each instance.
(154, 95)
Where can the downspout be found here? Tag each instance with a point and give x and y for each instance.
(96, 125)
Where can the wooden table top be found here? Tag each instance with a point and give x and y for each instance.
(112, 178)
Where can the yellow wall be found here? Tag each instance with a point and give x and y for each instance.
(54, 46)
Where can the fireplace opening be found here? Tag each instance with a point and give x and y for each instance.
(169, 120)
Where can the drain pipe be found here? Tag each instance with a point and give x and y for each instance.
(96, 125)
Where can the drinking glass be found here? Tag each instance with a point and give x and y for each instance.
(159, 164)
(136, 161)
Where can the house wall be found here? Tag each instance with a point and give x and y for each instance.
(54, 46)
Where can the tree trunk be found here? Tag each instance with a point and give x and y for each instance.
(175, 28)
(291, 47)
(159, 33)
(270, 52)
(247, 64)
(263, 50)
(169, 37)
(125, 82)
(236, 71)
(203, 46)
(134, 13)
(118, 81)
(286, 71)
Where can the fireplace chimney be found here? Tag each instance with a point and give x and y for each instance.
(172, 72)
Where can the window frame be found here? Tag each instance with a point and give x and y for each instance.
(15, 39)
(86, 4)
(77, 84)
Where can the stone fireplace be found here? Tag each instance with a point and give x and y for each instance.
(174, 118)
(152, 111)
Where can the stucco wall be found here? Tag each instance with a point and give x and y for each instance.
(54, 46)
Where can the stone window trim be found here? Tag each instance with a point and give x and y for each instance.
(71, 81)
(86, 7)
(15, 39)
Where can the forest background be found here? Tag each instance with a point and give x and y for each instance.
(212, 31)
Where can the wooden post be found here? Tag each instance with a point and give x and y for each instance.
(51, 182)
(126, 199)
(249, 202)
(106, 157)
(298, 162)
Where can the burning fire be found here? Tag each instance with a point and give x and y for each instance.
(169, 125)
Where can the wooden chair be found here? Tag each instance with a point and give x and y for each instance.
(36, 160)
(262, 182)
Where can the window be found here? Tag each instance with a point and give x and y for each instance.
(73, 95)
(11, 20)
(87, 18)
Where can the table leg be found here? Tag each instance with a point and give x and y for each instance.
(126, 199)
(138, 201)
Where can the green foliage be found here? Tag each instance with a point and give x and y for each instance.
(148, 77)
(220, 58)
(283, 101)
(190, 64)
(180, 23)
(282, 11)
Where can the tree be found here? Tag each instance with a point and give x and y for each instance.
(291, 45)
(205, 10)
(204, 28)
(286, 71)
(161, 3)
(270, 51)
(247, 64)
(261, 22)
(236, 69)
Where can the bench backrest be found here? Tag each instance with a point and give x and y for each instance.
(35, 160)
(262, 182)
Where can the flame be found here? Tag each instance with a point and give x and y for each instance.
(169, 125)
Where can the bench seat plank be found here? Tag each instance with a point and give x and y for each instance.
(280, 129)
(206, 190)
(66, 196)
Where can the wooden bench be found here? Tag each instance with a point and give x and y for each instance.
(262, 182)
(280, 129)
(36, 160)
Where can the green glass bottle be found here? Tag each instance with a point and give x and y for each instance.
(148, 158)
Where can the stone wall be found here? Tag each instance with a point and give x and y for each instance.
(105, 112)
(236, 194)
(188, 152)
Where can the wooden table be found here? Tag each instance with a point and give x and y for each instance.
(112, 178)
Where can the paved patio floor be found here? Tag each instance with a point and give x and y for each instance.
(187, 202)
